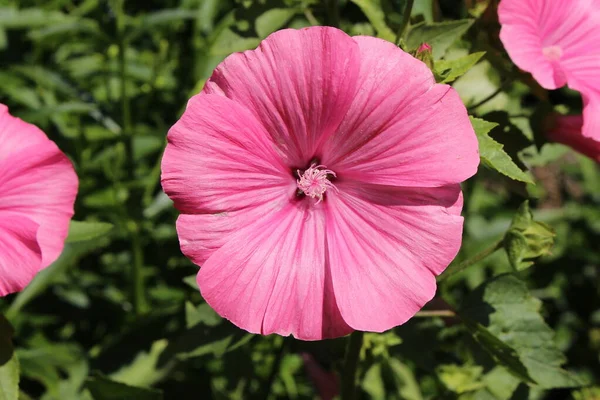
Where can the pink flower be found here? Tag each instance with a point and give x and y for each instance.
(558, 42)
(566, 129)
(318, 182)
(37, 190)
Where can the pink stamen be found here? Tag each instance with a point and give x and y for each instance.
(314, 182)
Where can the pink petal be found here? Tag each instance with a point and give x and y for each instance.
(591, 116)
(220, 159)
(20, 255)
(384, 257)
(585, 77)
(38, 182)
(567, 129)
(402, 128)
(541, 36)
(200, 235)
(14, 131)
(298, 83)
(271, 277)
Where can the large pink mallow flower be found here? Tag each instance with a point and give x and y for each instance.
(38, 186)
(318, 182)
(558, 42)
(566, 129)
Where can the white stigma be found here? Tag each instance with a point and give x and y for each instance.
(314, 182)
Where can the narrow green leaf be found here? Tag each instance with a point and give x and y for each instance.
(505, 319)
(80, 231)
(70, 255)
(440, 35)
(375, 14)
(105, 389)
(449, 70)
(492, 153)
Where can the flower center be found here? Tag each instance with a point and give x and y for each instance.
(552, 53)
(314, 182)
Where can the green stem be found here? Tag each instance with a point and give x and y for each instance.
(456, 268)
(435, 313)
(334, 13)
(138, 292)
(310, 17)
(275, 368)
(351, 365)
(137, 273)
(405, 21)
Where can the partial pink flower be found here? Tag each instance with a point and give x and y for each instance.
(318, 182)
(557, 41)
(566, 129)
(38, 186)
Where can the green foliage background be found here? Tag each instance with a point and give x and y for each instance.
(119, 316)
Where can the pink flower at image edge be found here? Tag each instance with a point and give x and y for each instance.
(566, 129)
(38, 186)
(318, 180)
(558, 42)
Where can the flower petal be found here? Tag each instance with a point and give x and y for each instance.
(16, 133)
(200, 235)
(567, 129)
(541, 36)
(20, 255)
(298, 83)
(407, 131)
(38, 182)
(591, 116)
(271, 277)
(220, 159)
(384, 258)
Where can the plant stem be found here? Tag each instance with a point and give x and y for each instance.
(275, 368)
(456, 268)
(405, 21)
(138, 292)
(310, 17)
(350, 366)
(435, 313)
(334, 13)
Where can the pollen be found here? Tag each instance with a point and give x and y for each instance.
(552, 53)
(315, 181)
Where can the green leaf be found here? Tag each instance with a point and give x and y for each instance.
(492, 153)
(104, 389)
(527, 239)
(374, 12)
(80, 231)
(505, 319)
(449, 70)
(9, 379)
(404, 378)
(461, 378)
(9, 366)
(440, 35)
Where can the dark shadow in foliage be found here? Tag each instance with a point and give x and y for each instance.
(6, 345)
(139, 336)
(103, 388)
(509, 135)
(203, 339)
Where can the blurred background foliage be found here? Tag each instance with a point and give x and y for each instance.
(119, 316)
